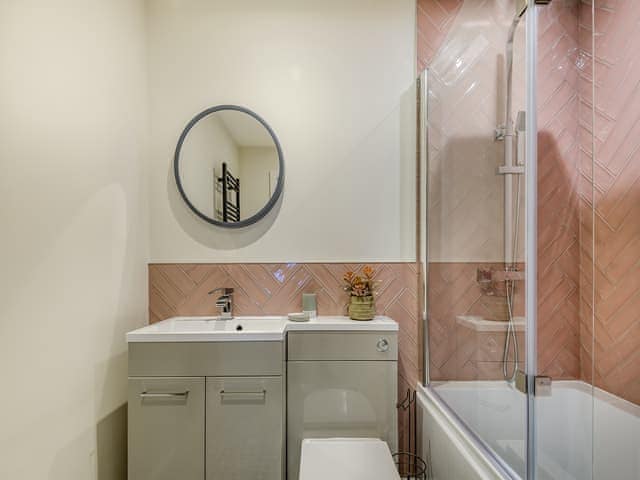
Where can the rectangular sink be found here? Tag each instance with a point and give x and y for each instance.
(212, 329)
(249, 329)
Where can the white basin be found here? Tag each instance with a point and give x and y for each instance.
(247, 329)
(212, 329)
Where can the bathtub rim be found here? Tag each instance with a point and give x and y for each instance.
(427, 395)
(580, 385)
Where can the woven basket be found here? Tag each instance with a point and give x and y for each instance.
(362, 308)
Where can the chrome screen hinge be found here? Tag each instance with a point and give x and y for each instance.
(541, 384)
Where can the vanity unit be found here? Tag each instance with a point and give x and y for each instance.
(208, 397)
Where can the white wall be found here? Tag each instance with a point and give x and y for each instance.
(329, 77)
(207, 146)
(332, 79)
(73, 233)
(256, 166)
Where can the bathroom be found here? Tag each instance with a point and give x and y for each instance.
(473, 162)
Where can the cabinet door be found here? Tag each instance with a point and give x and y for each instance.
(166, 428)
(245, 428)
(339, 399)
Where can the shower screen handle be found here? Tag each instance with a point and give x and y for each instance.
(541, 384)
(521, 137)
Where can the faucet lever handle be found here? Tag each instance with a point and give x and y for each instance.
(224, 290)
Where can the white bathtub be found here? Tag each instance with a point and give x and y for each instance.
(567, 424)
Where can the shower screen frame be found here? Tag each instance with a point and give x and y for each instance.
(531, 233)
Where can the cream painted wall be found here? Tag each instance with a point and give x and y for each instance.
(73, 241)
(257, 165)
(332, 79)
(208, 145)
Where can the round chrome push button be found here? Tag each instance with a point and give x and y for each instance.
(382, 345)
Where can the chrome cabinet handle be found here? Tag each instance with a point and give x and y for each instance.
(260, 393)
(382, 345)
(165, 395)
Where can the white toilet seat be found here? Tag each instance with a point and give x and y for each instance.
(346, 459)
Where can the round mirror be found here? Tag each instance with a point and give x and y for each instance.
(228, 166)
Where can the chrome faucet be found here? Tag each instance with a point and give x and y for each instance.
(224, 302)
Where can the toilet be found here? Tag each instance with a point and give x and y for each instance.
(346, 459)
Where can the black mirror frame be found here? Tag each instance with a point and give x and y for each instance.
(279, 186)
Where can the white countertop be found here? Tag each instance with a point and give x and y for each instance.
(248, 329)
(340, 323)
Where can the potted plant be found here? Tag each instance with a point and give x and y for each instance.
(361, 292)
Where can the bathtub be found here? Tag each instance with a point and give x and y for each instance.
(473, 430)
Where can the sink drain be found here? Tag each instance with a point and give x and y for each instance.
(239, 328)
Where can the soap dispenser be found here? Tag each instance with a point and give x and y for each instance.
(309, 305)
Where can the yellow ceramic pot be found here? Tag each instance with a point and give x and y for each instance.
(362, 308)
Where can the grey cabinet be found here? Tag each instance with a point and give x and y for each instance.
(166, 428)
(206, 411)
(245, 428)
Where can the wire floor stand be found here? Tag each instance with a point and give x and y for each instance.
(409, 464)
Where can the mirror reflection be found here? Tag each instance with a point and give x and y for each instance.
(228, 167)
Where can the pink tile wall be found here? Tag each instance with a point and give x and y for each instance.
(276, 289)
(559, 250)
(453, 289)
(434, 18)
(611, 330)
(588, 326)
(455, 352)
